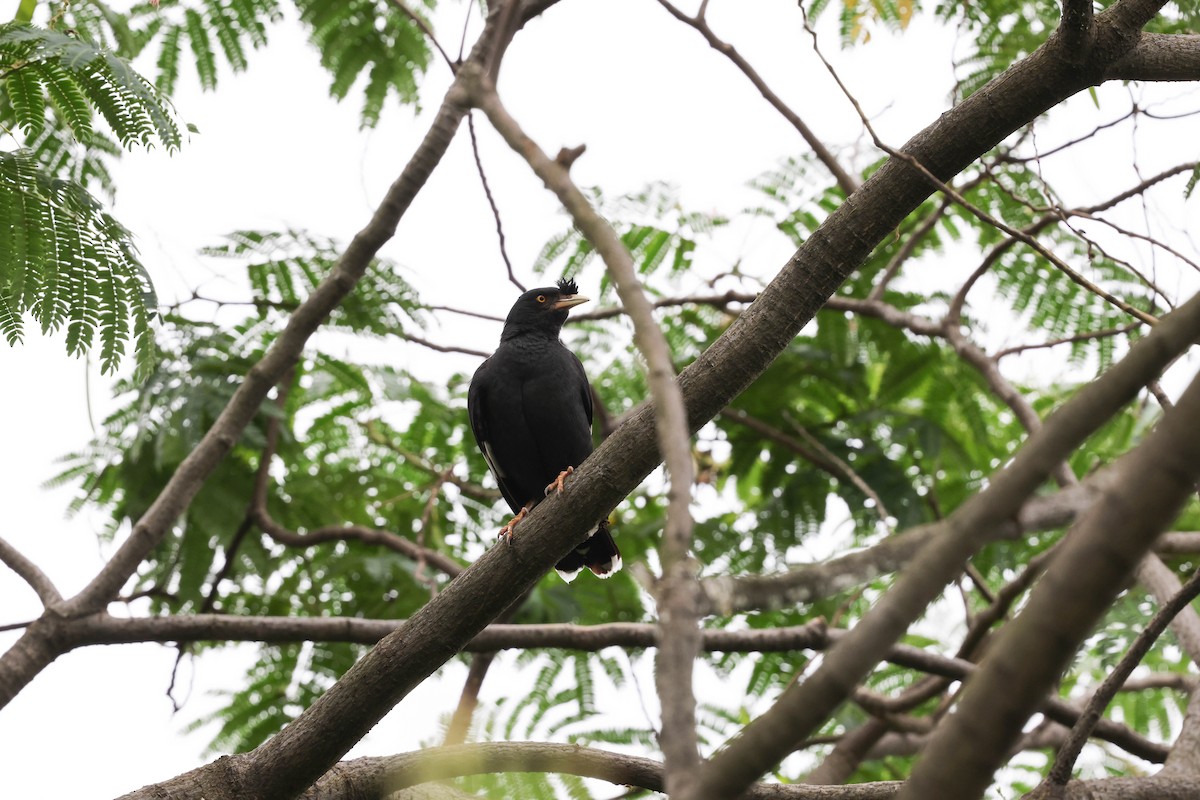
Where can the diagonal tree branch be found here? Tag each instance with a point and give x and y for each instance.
(35, 649)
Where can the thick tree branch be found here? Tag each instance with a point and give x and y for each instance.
(1160, 57)
(1128, 17)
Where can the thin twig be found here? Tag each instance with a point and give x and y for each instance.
(361, 533)
(443, 348)
(906, 250)
(473, 490)
(467, 313)
(428, 31)
(848, 183)
(846, 470)
(487, 190)
(1087, 336)
(15, 626)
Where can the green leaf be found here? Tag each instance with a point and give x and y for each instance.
(64, 260)
(25, 94)
(77, 77)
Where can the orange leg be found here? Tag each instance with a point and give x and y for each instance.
(506, 532)
(556, 485)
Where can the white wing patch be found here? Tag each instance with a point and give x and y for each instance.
(616, 567)
(490, 458)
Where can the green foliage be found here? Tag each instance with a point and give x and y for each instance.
(42, 67)
(856, 19)
(366, 45)
(69, 264)
(368, 39)
(65, 260)
(653, 226)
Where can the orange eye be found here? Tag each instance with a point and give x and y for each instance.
(541, 298)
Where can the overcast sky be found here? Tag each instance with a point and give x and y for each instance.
(650, 100)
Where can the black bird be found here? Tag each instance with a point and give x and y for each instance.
(531, 413)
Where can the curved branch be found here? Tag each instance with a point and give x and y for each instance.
(361, 533)
(30, 573)
(372, 778)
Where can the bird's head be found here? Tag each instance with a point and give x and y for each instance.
(542, 311)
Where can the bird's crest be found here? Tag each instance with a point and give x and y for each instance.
(568, 286)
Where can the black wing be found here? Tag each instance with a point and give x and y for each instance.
(585, 387)
(477, 397)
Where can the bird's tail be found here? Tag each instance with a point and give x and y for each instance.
(599, 554)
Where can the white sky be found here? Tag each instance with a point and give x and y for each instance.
(650, 100)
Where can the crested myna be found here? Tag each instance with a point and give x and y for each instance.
(531, 412)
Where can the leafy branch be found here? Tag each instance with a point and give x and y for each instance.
(63, 259)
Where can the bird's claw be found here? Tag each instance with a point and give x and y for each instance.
(506, 533)
(556, 485)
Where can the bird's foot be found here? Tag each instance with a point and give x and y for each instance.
(506, 533)
(556, 485)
